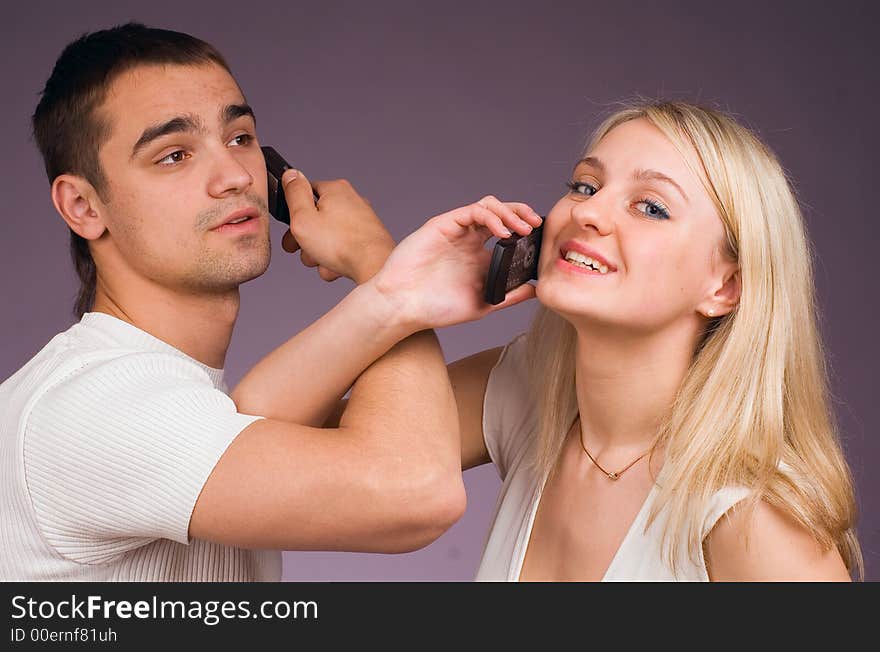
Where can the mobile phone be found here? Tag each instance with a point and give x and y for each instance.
(275, 168)
(514, 262)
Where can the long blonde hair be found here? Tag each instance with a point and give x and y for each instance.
(753, 409)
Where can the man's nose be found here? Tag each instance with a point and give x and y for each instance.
(228, 175)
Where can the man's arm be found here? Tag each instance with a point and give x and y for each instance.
(469, 377)
(386, 480)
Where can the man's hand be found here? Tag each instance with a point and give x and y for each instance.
(341, 235)
(435, 277)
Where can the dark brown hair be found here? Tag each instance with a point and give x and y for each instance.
(67, 128)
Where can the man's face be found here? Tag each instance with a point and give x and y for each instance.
(181, 162)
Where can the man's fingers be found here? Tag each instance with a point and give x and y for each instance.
(333, 187)
(289, 243)
(298, 192)
(327, 274)
(307, 260)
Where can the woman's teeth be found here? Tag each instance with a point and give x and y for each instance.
(580, 260)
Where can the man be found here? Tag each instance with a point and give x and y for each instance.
(122, 456)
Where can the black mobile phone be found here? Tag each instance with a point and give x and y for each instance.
(514, 262)
(275, 167)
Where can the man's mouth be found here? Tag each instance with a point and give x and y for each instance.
(239, 217)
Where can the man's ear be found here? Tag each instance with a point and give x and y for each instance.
(77, 201)
(725, 298)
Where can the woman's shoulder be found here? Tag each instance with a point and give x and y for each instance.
(758, 541)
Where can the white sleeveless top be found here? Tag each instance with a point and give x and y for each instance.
(510, 430)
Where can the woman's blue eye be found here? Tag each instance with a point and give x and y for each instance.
(653, 209)
(582, 188)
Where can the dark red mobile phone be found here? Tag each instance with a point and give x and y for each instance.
(514, 262)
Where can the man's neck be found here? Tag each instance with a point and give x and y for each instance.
(199, 325)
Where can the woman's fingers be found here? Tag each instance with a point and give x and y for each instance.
(494, 217)
(517, 295)
(516, 216)
(526, 212)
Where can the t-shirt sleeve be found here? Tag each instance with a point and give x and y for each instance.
(116, 455)
(509, 407)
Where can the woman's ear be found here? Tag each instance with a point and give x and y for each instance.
(725, 298)
(78, 204)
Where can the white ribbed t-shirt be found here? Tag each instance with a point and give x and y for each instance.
(510, 430)
(107, 437)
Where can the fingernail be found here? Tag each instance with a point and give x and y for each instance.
(291, 174)
(506, 233)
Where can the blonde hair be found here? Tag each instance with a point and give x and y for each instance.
(753, 408)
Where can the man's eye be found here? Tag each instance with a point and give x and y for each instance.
(581, 188)
(174, 158)
(242, 140)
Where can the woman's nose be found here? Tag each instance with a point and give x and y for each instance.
(595, 212)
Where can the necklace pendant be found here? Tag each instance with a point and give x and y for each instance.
(613, 475)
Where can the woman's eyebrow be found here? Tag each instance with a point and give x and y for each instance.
(638, 175)
(653, 175)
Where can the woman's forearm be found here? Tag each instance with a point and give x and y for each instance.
(304, 378)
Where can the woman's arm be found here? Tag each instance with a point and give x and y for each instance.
(433, 278)
(469, 377)
(767, 545)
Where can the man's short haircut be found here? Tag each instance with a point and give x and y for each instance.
(66, 124)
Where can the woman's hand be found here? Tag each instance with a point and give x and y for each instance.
(435, 277)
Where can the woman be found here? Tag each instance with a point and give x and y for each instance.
(667, 415)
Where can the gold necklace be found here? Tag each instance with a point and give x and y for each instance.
(612, 475)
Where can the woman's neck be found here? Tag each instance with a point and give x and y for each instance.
(626, 383)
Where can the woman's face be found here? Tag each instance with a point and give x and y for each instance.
(636, 243)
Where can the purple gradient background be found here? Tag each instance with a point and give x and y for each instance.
(430, 106)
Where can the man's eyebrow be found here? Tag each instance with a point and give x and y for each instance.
(179, 124)
(232, 112)
(653, 175)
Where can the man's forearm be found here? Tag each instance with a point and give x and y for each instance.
(405, 399)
